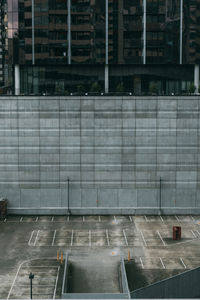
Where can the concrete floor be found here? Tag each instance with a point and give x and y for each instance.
(30, 244)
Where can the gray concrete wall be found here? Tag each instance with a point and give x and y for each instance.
(185, 285)
(113, 149)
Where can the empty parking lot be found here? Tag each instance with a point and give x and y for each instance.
(30, 244)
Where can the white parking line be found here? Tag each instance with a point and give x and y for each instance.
(53, 237)
(83, 218)
(72, 236)
(107, 237)
(5, 220)
(54, 294)
(115, 219)
(161, 219)
(193, 219)
(146, 218)
(99, 218)
(183, 263)
(193, 233)
(36, 238)
(29, 242)
(141, 263)
(68, 219)
(36, 219)
(198, 232)
(14, 280)
(90, 238)
(21, 219)
(131, 220)
(143, 238)
(52, 219)
(162, 263)
(125, 237)
(161, 237)
(177, 219)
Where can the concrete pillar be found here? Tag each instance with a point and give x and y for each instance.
(144, 30)
(69, 30)
(17, 80)
(106, 79)
(196, 77)
(33, 33)
(181, 32)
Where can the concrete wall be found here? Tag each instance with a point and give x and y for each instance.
(113, 149)
(185, 285)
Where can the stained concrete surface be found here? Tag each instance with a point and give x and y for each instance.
(95, 273)
(27, 238)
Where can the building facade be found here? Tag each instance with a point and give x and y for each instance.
(1, 42)
(68, 46)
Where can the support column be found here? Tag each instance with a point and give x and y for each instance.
(33, 33)
(106, 58)
(17, 80)
(181, 32)
(196, 77)
(144, 30)
(106, 79)
(69, 30)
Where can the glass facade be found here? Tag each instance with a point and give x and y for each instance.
(48, 37)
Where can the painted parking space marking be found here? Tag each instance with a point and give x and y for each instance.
(54, 236)
(131, 220)
(72, 237)
(52, 219)
(177, 219)
(193, 233)
(54, 294)
(183, 262)
(36, 219)
(21, 219)
(83, 218)
(36, 238)
(141, 263)
(162, 263)
(146, 218)
(99, 218)
(29, 242)
(107, 237)
(161, 238)
(161, 219)
(143, 238)
(125, 237)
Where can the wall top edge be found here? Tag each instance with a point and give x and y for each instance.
(105, 97)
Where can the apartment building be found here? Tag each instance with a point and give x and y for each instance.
(61, 46)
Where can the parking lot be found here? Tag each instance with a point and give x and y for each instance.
(30, 244)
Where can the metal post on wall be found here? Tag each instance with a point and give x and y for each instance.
(160, 200)
(68, 210)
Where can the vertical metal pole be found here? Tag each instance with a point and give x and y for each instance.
(33, 33)
(31, 290)
(106, 74)
(68, 196)
(144, 30)
(160, 196)
(31, 276)
(181, 32)
(69, 30)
